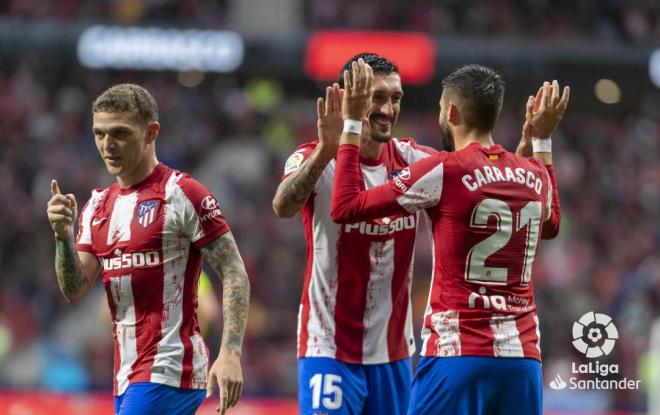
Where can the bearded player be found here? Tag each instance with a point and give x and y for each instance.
(488, 209)
(354, 324)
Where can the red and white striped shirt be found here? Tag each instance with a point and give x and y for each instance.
(488, 208)
(148, 239)
(355, 304)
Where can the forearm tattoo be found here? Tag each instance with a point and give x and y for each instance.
(295, 190)
(224, 258)
(68, 267)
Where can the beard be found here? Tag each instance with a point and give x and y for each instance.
(378, 136)
(447, 138)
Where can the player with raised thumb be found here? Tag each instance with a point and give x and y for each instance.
(62, 211)
(75, 271)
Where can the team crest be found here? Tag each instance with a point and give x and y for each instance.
(147, 212)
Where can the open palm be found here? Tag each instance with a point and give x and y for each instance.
(330, 122)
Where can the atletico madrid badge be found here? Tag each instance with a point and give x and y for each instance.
(147, 212)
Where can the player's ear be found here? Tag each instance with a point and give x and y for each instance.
(152, 131)
(453, 114)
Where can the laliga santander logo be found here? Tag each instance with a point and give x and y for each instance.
(594, 334)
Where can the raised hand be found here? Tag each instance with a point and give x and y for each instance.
(62, 211)
(330, 121)
(227, 375)
(357, 91)
(524, 148)
(544, 111)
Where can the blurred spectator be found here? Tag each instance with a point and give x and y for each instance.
(633, 21)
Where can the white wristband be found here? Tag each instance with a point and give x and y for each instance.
(542, 145)
(353, 127)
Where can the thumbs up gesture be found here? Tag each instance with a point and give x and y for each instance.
(62, 212)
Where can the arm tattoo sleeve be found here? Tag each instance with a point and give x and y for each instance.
(224, 258)
(68, 268)
(295, 189)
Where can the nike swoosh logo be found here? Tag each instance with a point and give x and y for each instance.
(98, 221)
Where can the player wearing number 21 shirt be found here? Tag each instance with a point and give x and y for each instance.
(488, 209)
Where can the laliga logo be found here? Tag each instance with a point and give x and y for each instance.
(594, 334)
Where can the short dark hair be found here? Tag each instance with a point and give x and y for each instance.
(480, 91)
(128, 98)
(379, 64)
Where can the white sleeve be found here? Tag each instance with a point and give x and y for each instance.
(411, 151)
(420, 185)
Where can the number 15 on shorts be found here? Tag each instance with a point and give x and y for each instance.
(326, 389)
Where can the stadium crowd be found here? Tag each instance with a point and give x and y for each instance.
(234, 137)
(633, 21)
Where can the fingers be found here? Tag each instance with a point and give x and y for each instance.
(60, 210)
(72, 200)
(234, 394)
(356, 97)
(224, 396)
(337, 95)
(366, 77)
(529, 108)
(333, 99)
(54, 188)
(545, 96)
(332, 102)
(239, 392)
(231, 392)
(363, 70)
(548, 97)
(362, 77)
(527, 131)
(347, 81)
(60, 199)
(355, 86)
(211, 384)
(538, 98)
(563, 102)
(60, 218)
(555, 94)
(319, 108)
(370, 77)
(328, 100)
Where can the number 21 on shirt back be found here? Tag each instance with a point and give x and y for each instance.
(528, 217)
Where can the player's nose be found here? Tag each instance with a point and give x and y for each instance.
(109, 144)
(387, 109)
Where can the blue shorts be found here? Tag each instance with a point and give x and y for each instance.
(154, 398)
(328, 386)
(471, 385)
